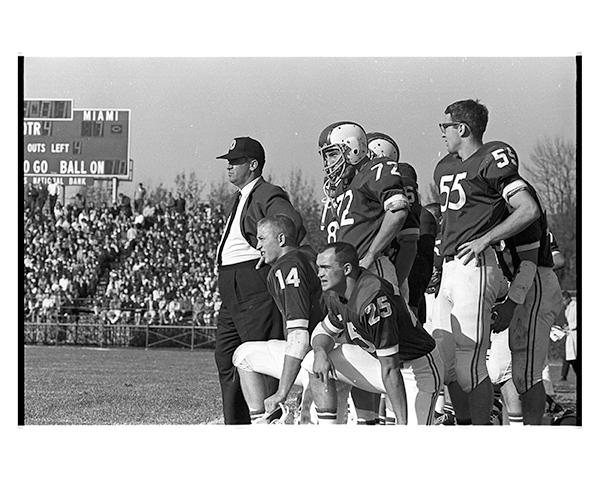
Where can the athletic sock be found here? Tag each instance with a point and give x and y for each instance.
(255, 415)
(515, 419)
(327, 418)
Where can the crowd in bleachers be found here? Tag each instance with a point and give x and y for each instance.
(122, 263)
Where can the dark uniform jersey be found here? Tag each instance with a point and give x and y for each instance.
(356, 213)
(535, 235)
(473, 193)
(377, 320)
(412, 223)
(422, 267)
(294, 285)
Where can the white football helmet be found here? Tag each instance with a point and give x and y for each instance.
(382, 145)
(341, 144)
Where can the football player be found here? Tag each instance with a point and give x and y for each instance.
(531, 305)
(476, 181)
(383, 147)
(296, 289)
(365, 205)
(389, 353)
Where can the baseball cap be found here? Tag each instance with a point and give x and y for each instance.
(242, 147)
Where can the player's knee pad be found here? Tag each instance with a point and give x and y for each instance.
(239, 358)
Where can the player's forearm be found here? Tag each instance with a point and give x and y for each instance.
(525, 213)
(396, 392)
(291, 367)
(297, 345)
(322, 343)
(321, 340)
(390, 226)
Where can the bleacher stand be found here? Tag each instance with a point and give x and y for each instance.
(157, 269)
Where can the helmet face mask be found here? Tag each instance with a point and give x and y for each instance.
(382, 145)
(341, 144)
(334, 165)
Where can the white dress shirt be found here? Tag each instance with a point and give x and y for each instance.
(236, 249)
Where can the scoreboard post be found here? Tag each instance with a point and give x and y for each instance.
(75, 146)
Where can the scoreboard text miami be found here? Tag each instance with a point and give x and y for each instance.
(60, 141)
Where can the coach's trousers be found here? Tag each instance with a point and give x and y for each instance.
(248, 313)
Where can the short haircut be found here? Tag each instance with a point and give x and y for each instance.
(281, 223)
(344, 253)
(407, 170)
(471, 112)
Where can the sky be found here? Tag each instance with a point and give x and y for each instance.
(186, 111)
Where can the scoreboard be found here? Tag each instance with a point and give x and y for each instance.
(60, 141)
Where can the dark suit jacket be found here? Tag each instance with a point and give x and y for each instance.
(267, 199)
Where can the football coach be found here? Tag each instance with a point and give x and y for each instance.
(248, 312)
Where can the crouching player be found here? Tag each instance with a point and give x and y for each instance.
(389, 353)
(294, 285)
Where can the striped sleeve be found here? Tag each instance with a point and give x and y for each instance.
(334, 325)
(386, 352)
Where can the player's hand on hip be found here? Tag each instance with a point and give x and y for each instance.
(471, 250)
(502, 314)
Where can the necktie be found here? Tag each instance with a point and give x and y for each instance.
(227, 228)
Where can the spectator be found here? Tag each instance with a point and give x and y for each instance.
(139, 197)
(125, 205)
(42, 197)
(180, 204)
(571, 341)
(32, 195)
(53, 191)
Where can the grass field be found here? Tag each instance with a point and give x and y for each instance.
(78, 385)
(93, 386)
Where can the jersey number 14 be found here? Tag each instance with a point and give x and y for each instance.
(291, 279)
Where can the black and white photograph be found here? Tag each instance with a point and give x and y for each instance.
(292, 247)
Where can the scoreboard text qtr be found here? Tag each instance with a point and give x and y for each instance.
(62, 141)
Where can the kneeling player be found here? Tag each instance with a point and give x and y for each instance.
(294, 285)
(389, 353)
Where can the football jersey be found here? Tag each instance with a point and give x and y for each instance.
(355, 213)
(473, 192)
(296, 289)
(377, 320)
(413, 218)
(422, 267)
(535, 235)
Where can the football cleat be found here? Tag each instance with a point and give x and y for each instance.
(277, 416)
